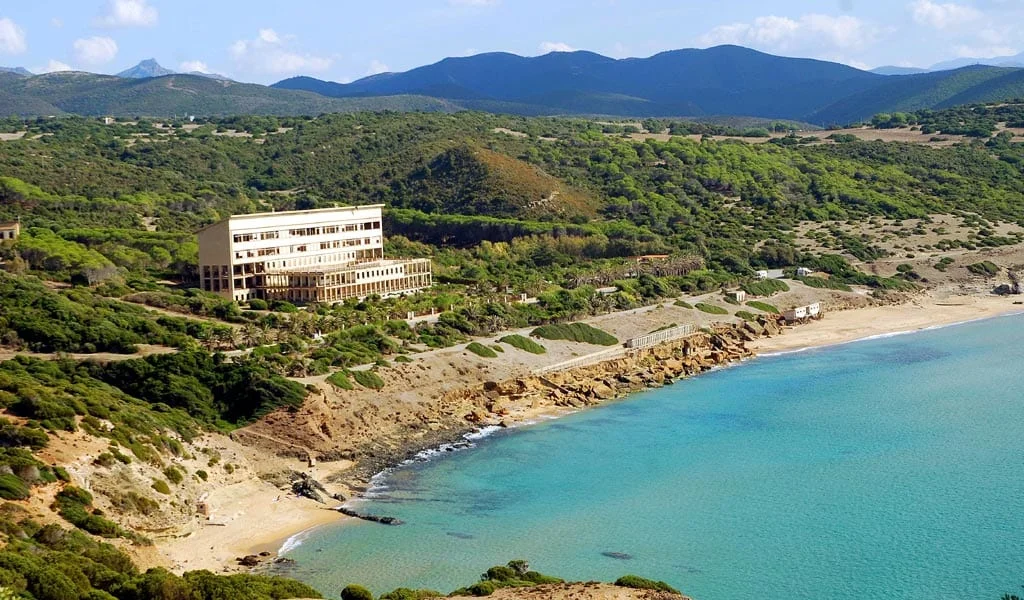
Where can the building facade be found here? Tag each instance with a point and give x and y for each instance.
(10, 231)
(324, 255)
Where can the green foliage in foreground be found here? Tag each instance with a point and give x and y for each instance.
(985, 269)
(766, 287)
(340, 380)
(523, 343)
(711, 309)
(356, 592)
(51, 563)
(481, 350)
(763, 307)
(639, 583)
(516, 574)
(575, 332)
(368, 379)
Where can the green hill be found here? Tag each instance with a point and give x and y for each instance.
(96, 95)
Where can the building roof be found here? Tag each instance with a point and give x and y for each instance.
(313, 211)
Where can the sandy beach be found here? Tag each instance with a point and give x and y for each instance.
(922, 313)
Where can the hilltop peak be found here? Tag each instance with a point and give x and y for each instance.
(145, 69)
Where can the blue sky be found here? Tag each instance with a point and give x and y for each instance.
(342, 40)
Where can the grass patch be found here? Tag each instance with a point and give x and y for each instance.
(731, 300)
(575, 332)
(746, 315)
(401, 358)
(497, 348)
(368, 379)
(682, 304)
(763, 307)
(523, 343)
(765, 287)
(340, 380)
(481, 350)
(711, 309)
(825, 284)
(985, 269)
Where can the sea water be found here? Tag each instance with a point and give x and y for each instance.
(890, 468)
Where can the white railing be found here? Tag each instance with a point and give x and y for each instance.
(583, 361)
(659, 337)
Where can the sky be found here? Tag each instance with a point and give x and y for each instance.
(264, 41)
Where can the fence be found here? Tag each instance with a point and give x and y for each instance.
(658, 337)
(584, 361)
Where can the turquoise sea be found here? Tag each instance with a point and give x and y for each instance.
(890, 468)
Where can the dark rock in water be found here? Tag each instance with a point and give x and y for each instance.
(618, 555)
(461, 536)
(264, 554)
(284, 560)
(249, 561)
(372, 518)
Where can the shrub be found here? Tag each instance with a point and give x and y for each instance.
(340, 380)
(765, 287)
(482, 588)
(257, 304)
(497, 348)
(523, 343)
(401, 358)
(174, 475)
(13, 488)
(731, 300)
(746, 315)
(409, 594)
(161, 486)
(763, 307)
(825, 284)
(639, 583)
(368, 379)
(682, 304)
(356, 592)
(711, 309)
(201, 474)
(576, 332)
(481, 350)
(985, 269)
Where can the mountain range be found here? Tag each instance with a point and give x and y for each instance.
(1014, 61)
(719, 81)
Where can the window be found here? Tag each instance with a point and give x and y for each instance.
(270, 235)
(376, 224)
(244, 237)
(268, 251)
(331, 229)
(302, 248)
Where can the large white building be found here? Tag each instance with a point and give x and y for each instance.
(324, 255)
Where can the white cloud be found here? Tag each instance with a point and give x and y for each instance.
(270, 53)
(377, 67)
(53, 66)
(943, 16)
(95, 50)
(964, 51)
(194, 66)
(12, 37)
(809, 33)
(128, 13)
(546, 47)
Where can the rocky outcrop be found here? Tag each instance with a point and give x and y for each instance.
(348, 512)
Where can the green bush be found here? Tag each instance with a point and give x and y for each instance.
(356, 592)
(640, 583)
(340, 380)
(13, 488)
(765, 287)
(682, 304)
(401, 358)
(523, 343)
(161, 486)
(746, 315)
(763, 307)
(481, 350)
(731, 300)
(409, 594)
(575, 332)
(368, 379)
(711, 309)
(482, 588)
(985, 269)
(257, 304)
(825, 284)
(174, 475)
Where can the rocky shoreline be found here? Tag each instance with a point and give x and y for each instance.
(505, 403)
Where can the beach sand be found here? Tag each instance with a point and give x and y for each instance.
(922, 313)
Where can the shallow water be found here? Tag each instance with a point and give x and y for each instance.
(891, 468)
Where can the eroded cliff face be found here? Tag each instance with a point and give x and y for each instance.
(379, 429)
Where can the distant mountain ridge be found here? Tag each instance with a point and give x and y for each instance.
(145, 69)
(17, 71)
(725, 80)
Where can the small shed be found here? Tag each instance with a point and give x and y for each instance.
(762, 275)
(804, 272)
(795, 314)
(737, 295)
(813, 310)
(10, 231)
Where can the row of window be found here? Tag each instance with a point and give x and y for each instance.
(306, 231)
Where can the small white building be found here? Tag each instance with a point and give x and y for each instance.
(813, 310)
(10, 231)
(762, 275)
(737, 295)
(804, 272)
(795, 314)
